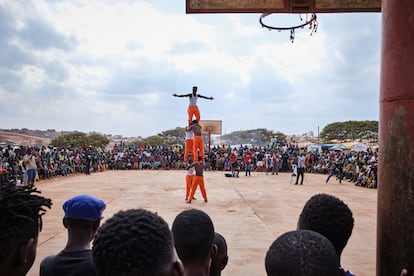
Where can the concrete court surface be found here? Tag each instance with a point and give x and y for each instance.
(251, 212)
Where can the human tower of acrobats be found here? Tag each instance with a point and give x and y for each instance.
(194, 148)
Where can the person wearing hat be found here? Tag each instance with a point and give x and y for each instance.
(83, 214)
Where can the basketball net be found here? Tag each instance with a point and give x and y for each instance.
(310, 21)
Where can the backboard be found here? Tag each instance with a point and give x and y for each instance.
(210, 126)
(282, 6)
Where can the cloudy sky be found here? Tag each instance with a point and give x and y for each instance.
(112, 67)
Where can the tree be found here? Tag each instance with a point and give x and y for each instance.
(154, 140)
(349, 130)
(97, 140)
(173, 136)
(78, 139)
(280, 136)
(167, 138)
(257, 137)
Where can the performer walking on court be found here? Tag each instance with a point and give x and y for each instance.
(192, 107)
(198, 180)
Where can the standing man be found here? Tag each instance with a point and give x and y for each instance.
(198, 142)
(82, 218)
(198, 180)
(189, 137)
(275, 164)
(300, 168)
(189, 177)
(29, 160)
(192, 107)
(248, 162)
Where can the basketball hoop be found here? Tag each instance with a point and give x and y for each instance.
(312, 22)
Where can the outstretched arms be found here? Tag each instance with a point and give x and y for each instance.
(183, 95)
(204, 97)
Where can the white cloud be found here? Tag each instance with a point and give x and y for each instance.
(111, 66)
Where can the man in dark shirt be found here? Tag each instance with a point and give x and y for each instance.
(82, 218)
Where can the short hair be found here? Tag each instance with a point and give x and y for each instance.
(133, 242)
(330, 217)
(301, 253)
(193, 233)
(219, 262)
(21, 209)
(220, 241)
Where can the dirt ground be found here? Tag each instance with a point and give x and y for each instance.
(250, 212)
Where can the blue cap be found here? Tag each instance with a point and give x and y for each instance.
(84, 207)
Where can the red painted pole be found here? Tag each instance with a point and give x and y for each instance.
(395, 224)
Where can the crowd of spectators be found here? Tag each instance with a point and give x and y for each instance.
(358, 167)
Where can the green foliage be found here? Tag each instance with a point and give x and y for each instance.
(173, 136)
(97, 140)
(78, 139)
(154, 140)
(280, 136)
(166, 138)
(349, 130)
(260, 136)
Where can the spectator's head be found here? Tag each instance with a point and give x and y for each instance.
(83, 215)
(301, 253)
(21, 211)
(219, 262)
(330, 217)
(135, 242)
(193, 233)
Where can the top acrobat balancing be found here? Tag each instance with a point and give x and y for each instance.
(192, 107)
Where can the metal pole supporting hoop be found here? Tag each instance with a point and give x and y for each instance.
(312, 22)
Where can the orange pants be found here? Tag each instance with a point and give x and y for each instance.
(198, 180)
(188, 185)
(188, 148)
(198, 144)
(193, 111)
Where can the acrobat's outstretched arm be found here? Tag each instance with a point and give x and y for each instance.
(183, 95)
(204, 97)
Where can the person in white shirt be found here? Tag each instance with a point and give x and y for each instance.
(300, 168)
(29, 160)
(192, 107)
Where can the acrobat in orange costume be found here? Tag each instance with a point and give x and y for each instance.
(198, 144)
(198, 181)
(189, 182)
(193, 111)
(189, 136)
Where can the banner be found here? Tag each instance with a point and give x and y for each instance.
(360, 147)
